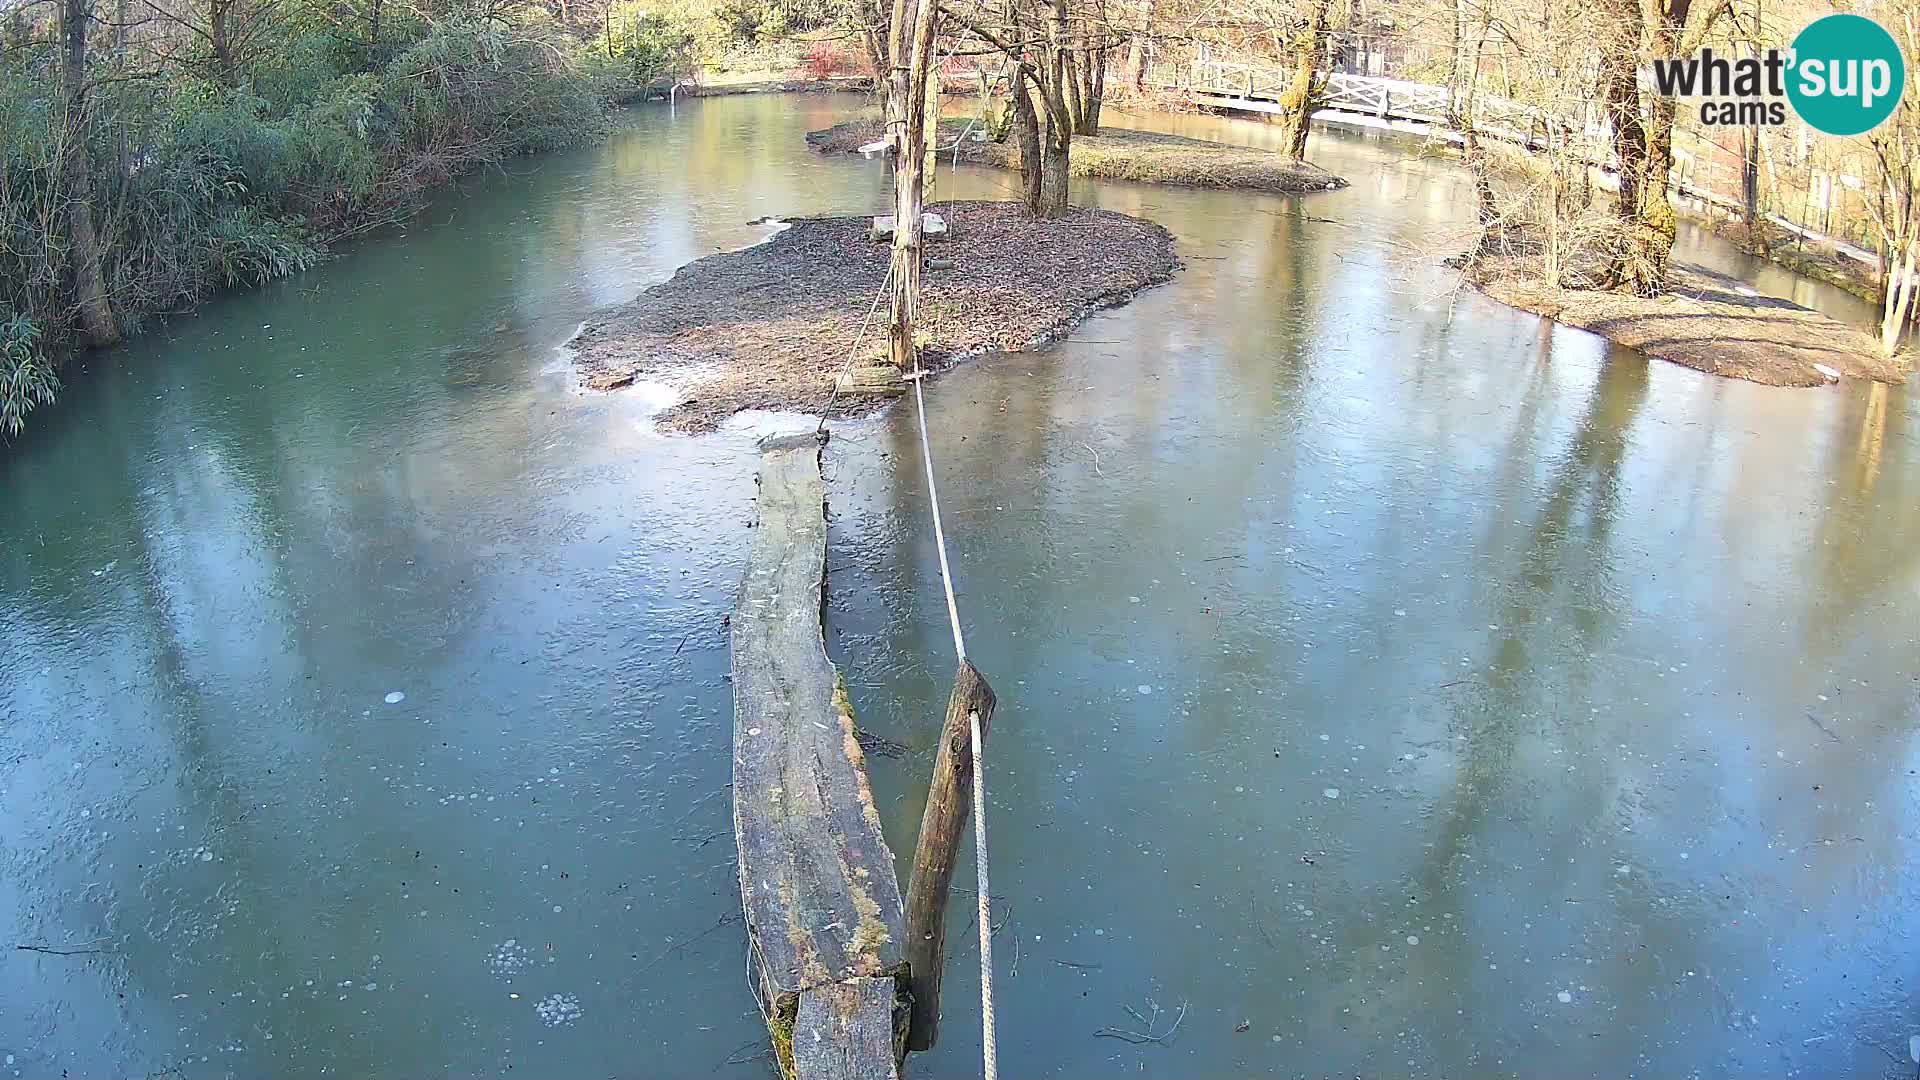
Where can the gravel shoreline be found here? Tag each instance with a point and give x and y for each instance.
(772, 326)
(1706, 321)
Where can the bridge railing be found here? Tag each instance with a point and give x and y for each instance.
(1425, 104)
(1583, 133)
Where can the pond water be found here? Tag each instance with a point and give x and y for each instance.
(1390, 682)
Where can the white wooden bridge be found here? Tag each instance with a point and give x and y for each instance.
(1375, 102)
(1423, 109)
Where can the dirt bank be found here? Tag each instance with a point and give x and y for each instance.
(771, 327)
(1706, 321)
(1142, 156)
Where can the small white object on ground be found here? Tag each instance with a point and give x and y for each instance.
(1332, 793)
(1565, 998)
(931, 224)
(872, 148)
(395, 697)
(1827, 373)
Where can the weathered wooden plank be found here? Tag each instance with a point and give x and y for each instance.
(949, 801)
(848, 1031)
(816, 877)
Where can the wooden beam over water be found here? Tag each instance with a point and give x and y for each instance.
(824, 921)
(944, 822)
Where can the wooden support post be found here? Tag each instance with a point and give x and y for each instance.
(949, 801)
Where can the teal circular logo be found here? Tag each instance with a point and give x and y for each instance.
(1847, 74)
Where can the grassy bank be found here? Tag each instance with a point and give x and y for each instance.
(1117, 154)
(203, 175)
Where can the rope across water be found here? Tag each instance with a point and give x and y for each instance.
(989, 1049)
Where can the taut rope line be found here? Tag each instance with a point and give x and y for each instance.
(990, 1052)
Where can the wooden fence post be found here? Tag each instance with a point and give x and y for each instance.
(949, 801)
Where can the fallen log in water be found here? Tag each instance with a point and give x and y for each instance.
(823, 911)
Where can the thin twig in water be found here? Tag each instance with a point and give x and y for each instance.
(1824, 728)
(1138, 1038)
(51, 951)
(1890, 1054)
(1073, 964)
(1254, 916)
(725, 920)
(755, 1045)
(1096, 459)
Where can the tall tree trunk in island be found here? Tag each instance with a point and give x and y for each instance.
(1898, 306)
(1640, 265)
(1055, 159)
(1750, 190)
(1296, 102)
(1138, 46)
(1076, 106)
(1097, 93)
(909, 100)
(1461, 93)
(93, 310)
(1057, 145)
(1026, 124)
(1087, 77)
(1619, 60)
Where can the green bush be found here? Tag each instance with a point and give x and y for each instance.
(27, 379)
(200, 186)
(653, 48)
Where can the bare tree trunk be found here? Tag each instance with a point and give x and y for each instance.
(1027, 126)
(1640, 265)
(1619, 59)
(1658, 223)
(1138, 46)
(898, 55)
(220, 39)
(873, 42)
(909, 99)
(1899, 297)
(1088, 76)
(98, 327)
(1750, 190)
(1076, 107)
(1460, 99)
(1055, 155)
(1297, 100)
(1098, 97)
(1057, 146)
